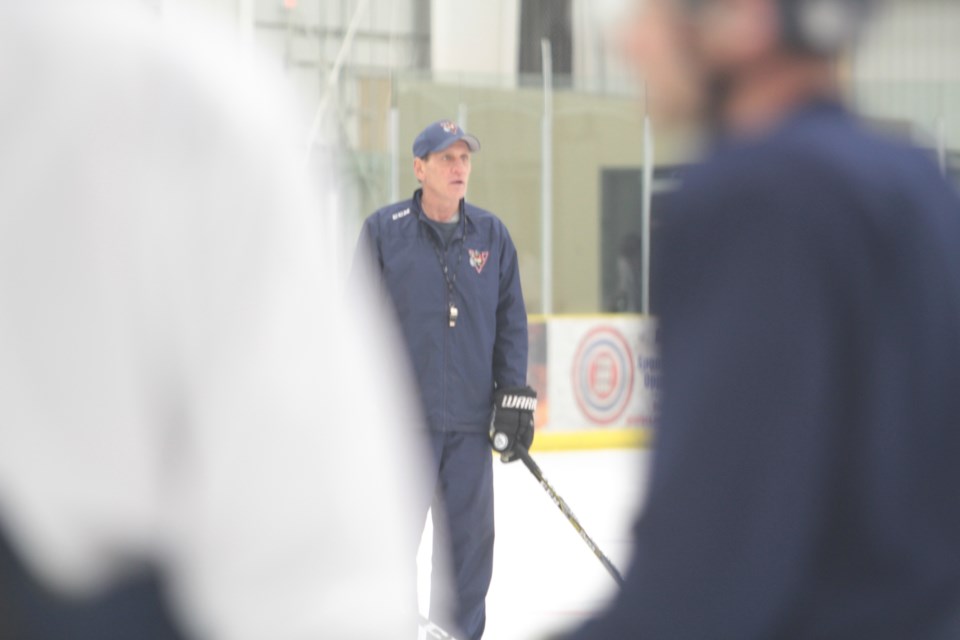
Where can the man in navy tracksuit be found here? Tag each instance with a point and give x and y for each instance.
(451, 272)
(806, 475)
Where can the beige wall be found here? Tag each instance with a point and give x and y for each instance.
(590, 132)
(908, 69)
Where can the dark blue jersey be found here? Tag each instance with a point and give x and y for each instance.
(806, 475)
(477, 273)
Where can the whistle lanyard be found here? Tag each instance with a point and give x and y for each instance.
(450, 278)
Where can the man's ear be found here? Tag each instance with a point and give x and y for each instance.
(418, 168)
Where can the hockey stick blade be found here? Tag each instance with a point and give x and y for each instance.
(434, 631)
(565, 509)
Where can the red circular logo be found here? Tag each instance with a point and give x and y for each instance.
(603, 375)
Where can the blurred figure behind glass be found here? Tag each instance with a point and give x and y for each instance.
(199, 438)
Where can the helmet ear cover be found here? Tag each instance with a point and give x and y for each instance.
(822, 27)
(819, 27)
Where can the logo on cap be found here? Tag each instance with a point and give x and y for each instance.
(439, 136)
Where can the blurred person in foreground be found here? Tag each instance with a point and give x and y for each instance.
(187, 443)
(805, 476)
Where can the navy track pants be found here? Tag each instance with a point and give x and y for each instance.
(463, 529)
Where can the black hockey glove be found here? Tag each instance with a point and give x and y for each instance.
(512, 423)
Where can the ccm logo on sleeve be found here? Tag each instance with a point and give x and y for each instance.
(524, 403)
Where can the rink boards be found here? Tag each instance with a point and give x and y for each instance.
(597, 378)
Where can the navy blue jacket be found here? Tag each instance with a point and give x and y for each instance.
(806, 475)
(456, 367)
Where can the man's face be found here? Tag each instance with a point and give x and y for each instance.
(656, 40)
(679, 48)
(444, 174)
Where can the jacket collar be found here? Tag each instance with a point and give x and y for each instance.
(418, 208)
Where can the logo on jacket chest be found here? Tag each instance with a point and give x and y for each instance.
(478, 259)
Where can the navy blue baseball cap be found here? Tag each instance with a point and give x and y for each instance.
(440, 135)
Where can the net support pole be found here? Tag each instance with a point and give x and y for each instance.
(393, 143)
(941, 135)
(648, 160)
(546, 181)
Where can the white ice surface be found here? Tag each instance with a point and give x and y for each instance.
(545, 577)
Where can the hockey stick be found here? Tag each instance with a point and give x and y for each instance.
(434, 631)
(524, 455)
